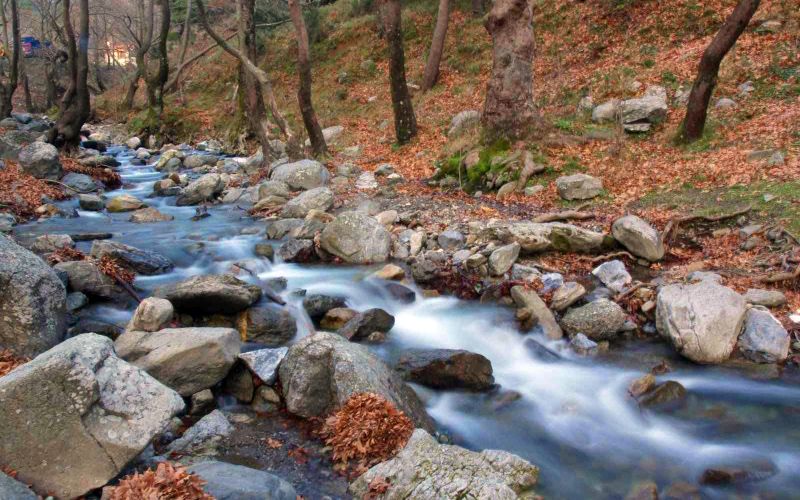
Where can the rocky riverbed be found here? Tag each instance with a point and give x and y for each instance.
(259, 304)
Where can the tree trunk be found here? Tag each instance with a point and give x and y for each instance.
(697, 108)
(7, 88)
(477, 8)
(509, 110)
(431, 74)
(144, 41)
(253, 98)
(405, 123)
(187, 28)
(75, 106)
(155, 81)
(315, 136)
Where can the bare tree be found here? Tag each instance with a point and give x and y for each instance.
(156, 79)
(697, 109)
(260, 75)
(509, 110)
(187, 30)
(7, 88)
(143, 39)
(431, 73)
(405, 122)
(75, 105)
(304, 91)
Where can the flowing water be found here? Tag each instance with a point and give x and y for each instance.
(574, 418)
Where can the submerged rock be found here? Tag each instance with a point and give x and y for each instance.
(210, 294)
(226, 481)
(366, 323)
(32, 302)
(322, 371)
(142, 261)
(75, 416)
(446, 369)
(702, 320)
(427, 469)
(268, 324)
(124, 203)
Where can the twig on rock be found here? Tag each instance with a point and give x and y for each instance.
(673, 224)
(778, 277)
(609, 256)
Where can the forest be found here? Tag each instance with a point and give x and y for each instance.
(385, 249)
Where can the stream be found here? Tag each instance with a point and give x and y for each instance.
(574, 418)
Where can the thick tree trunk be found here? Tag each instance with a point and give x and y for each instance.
(144, 41)
(315, 136)
(75, 106)
(431, 74)
(156, 80)
(405, 122)
(253, 98)
(509, 110)
(697, 109)
(477, 8)
(7, 88)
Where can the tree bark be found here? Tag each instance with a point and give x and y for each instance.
(477, 8)
(7, 89)
(431, 73)
(177, 72)
(293, 148)
(143, 41)
(310, 121)
(697, 108)
(187, 28)
(405, 122)
(252, 97)
(156, 80)
(75, 105)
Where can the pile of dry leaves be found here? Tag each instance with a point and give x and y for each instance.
(21, 193)
(166, 482)
(106, 264)
(367, 430)
(8, 361)
(107, 176)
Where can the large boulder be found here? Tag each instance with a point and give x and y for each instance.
(199, 160)
(764, 339)
(356, 238)
(322, 371)
(320, 198)
(151, 315)
(702, 320)
(210, 294)
(142, 261)
(598, 320)
(639, 237)
(535, 237)
(541, 316)
(80, 183)
(268, 324)
(124, 203)
(11, 489)
(33, 302)
(40, 160)
(75, 416)
(446, 369)
(579, 187)
(84, 276)
(186, 359)
(303, 174)
(12, 142)
(427, 469)
(206, 188)
(638, 115)
(226, 481)
(277, 189)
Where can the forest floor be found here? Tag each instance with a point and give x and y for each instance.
(603, 48)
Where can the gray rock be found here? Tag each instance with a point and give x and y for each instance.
(187, 360)
(273, 188)
(427, 469)
(33, 302)
(7, 222)
(124, 203)
(446, 369)
(84, 276)
(317, 305)
(366, 323)
(277, 229)
(47, 243)
(583, 345)
(702, 320)
(76, 300)
(203, 435)
(535, 237)
(541, 316)
(323, 370)
(149, 215)
(764, 339)
(566, 295)
(210, 294)
(40, 160)
(226, 481)
(239, 384)
(269, 325)
(297, 250)
(462, 122)
(598, 320)
(450, 240)
(75, 416)
(501, 260)
(91, 202)
(303, 174)
(699, 276)
(264, 363)
(638, 115)
(202, 402)
(766, 298)
(12, 142)
(579, 187)
(639, 237)
(80, 183)
(133, 143)
(666, 396)
(141, 261)
(606, 112)
(366, 181)
(11, 489)
(613, 275)
(199, 160)
(356, 239)
(206, 188)
(725, 103)
(320, 198)
(151, 315)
